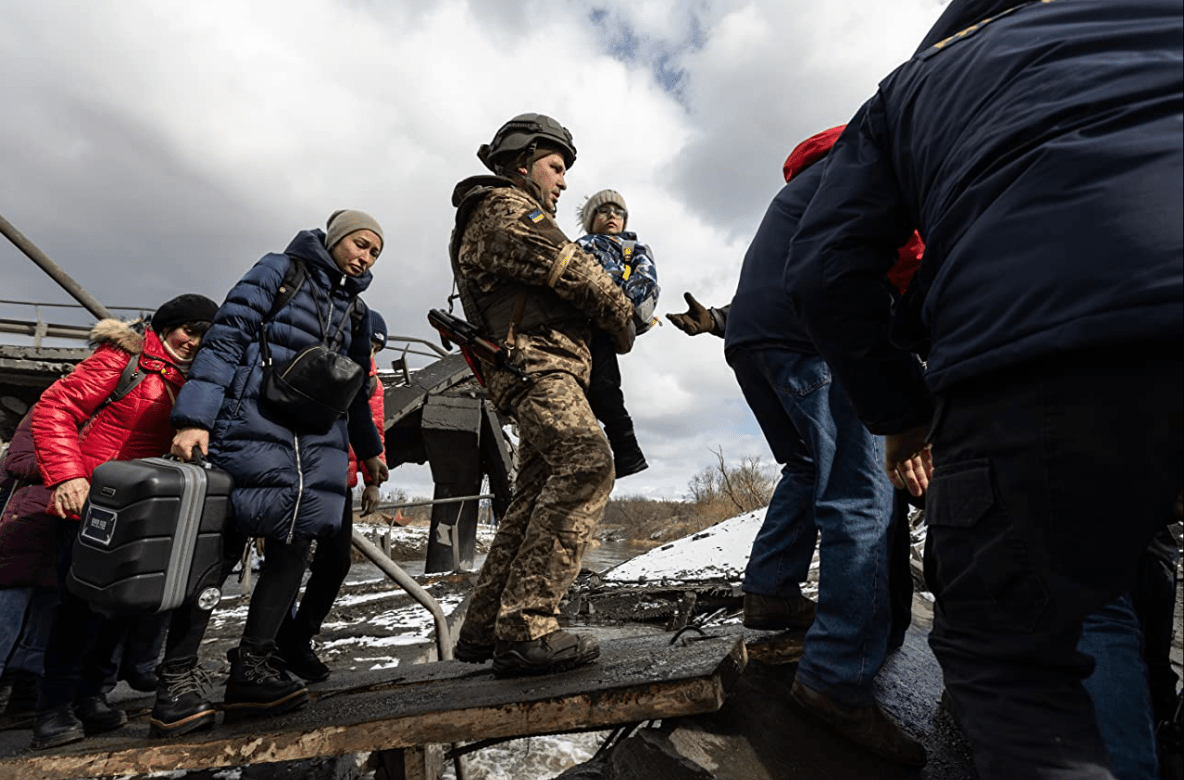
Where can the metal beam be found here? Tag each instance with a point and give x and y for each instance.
(53, 269)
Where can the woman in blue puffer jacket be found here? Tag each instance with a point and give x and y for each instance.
(290, 487)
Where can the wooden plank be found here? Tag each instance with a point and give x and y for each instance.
(636, 679)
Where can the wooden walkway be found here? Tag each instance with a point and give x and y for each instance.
(636, 679)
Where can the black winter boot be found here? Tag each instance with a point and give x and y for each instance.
(97, 715)
(295, 650)
(22, 695)
(181, 700)
(627, 456)
(257, 684)
(59, 726)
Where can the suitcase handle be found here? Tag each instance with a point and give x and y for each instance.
(198, 459)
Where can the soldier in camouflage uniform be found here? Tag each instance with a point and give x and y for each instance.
(526, 285)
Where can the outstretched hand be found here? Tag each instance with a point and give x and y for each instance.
(697, 318)
(908, 459)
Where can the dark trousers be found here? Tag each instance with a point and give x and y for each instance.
(279, 581)
(607, 399)
(329, 567)
(80, 656)
(283, 568)
(188, 623)
(900, 571)
(1051, 478)
(1154, 597)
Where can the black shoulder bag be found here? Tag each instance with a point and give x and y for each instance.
(315, 388)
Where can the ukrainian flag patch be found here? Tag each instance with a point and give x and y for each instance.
(535, 216)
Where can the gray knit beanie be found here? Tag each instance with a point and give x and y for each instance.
(587, 212)
(345, 221)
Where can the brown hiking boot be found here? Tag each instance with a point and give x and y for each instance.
(558, 651)
(778, 613)
(867, 727)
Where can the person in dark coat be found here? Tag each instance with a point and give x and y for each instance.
(1037, 151)
(832, 491)
(332, 560)
(289, 486)
(28, 586)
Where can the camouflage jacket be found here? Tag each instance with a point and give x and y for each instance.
(509, 239)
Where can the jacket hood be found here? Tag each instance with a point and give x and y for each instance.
(464, 187)
(309, 246)
(117, 333)
(959, 15)
(810, 151)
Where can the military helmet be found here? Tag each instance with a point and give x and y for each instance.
(522, 133)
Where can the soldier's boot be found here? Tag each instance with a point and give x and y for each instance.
(181, 700)
(257, 684)
(558, 651)
(472, 650)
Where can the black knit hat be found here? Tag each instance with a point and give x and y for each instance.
(189, 307)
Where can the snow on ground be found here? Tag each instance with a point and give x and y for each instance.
(719, 552)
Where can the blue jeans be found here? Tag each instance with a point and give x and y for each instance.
(832, 487)
(26, 615)
(1118, 688)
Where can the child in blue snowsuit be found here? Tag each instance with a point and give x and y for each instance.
(631, 265)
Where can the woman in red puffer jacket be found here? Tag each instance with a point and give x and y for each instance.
(72, 429)
(75, 428)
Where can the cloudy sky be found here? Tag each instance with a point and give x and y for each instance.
(156, 148)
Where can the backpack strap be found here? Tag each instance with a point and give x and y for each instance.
(128, 379)
(291, 283)
(293, 280)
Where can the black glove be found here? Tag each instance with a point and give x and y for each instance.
(623, 340)
(697, 318)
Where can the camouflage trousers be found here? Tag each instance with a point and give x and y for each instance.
(565, 475)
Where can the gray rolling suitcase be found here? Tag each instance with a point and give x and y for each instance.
(151, 536)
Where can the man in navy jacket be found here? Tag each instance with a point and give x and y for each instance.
(1038, 153)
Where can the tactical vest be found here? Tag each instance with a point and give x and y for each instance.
(513, 305)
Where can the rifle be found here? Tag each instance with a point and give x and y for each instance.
(462, 333)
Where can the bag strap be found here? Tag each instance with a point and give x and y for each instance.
(128, 379)
(291, 283)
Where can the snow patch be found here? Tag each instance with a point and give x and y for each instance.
(720, 552)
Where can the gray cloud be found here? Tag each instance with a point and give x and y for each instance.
(153, 148)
